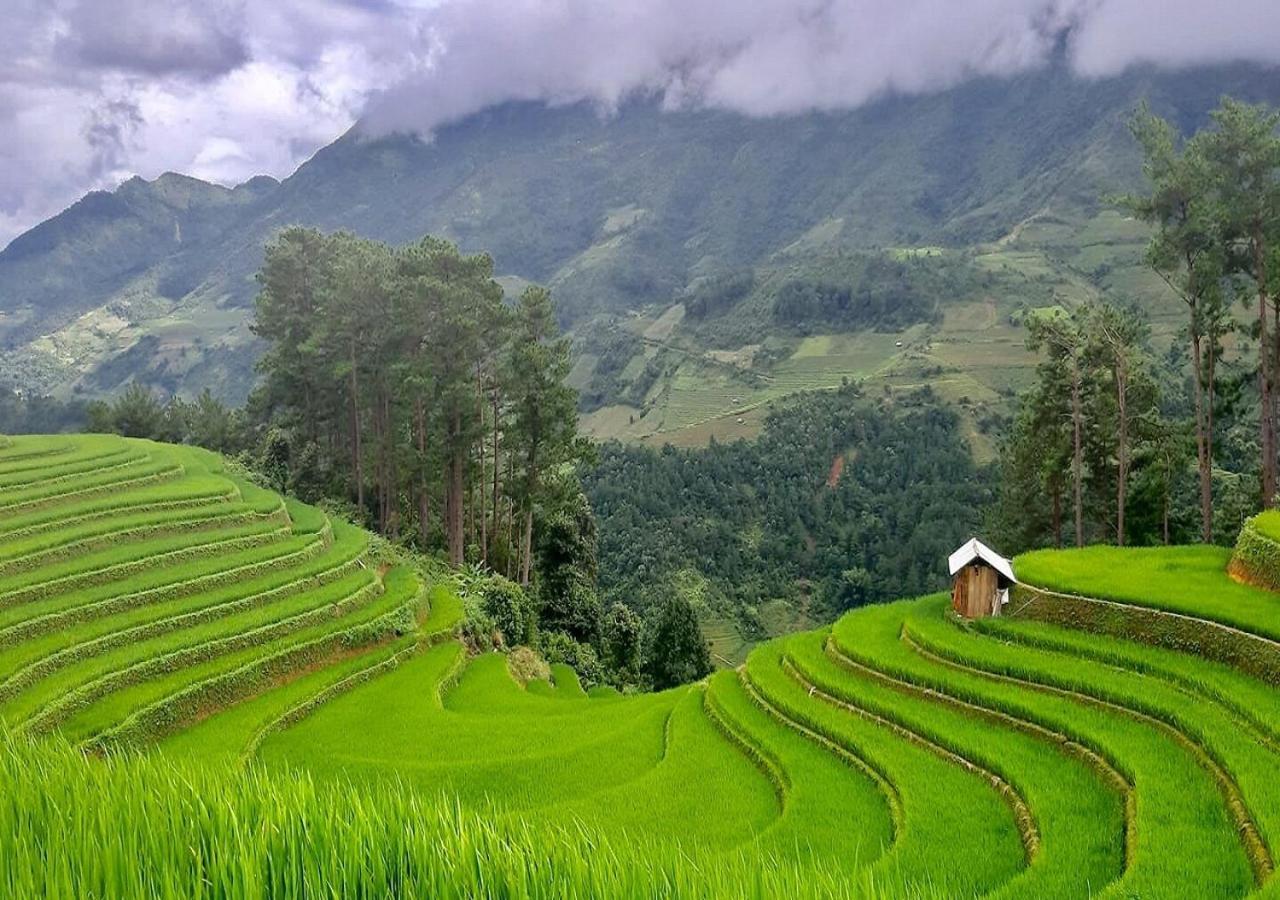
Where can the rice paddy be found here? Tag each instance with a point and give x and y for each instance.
(270, 708)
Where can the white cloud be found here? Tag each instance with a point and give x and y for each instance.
(93, 91)
(1115, 34)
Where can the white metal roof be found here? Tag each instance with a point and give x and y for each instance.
(974, 549)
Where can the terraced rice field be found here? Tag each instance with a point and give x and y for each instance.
(143, 586)
(1070, 761)
(1119, 735)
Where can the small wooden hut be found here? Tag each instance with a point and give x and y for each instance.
(980, 580)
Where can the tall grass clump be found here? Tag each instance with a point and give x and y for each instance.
(152, 827)
(1256, 558)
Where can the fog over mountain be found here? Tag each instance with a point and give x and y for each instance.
(94, 92)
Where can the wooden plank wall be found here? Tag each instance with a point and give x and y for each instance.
(973, 594)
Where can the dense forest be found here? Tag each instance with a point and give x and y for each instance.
(844, 499)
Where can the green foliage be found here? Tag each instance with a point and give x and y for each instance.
(621, 636)
(1088, 431)
(559, 647)
(613, 348)
(405, 386)
(1215, 205)
(138, 412)
(275, 460)
(509, 609)
(855, 292)
(565, 556)
(135, 413)
(674, 650)
(718, 294)
(24, 412)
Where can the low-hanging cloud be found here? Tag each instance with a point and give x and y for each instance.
(93, 91)
(762, 58)
(772, 57)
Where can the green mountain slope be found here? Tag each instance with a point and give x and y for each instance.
(941, 213)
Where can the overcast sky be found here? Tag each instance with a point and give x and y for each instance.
(94, 91)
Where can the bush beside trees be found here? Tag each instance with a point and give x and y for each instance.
(674, 649)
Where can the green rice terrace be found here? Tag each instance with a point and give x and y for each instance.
(272, 704)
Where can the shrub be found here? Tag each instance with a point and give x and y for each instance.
(566, 571)
(275, 458)
(674, 649)
(573, 608)
(509, 608)
(559, 647)
(477, 630)
(622, 634)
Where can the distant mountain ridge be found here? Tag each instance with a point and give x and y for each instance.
(619, 213)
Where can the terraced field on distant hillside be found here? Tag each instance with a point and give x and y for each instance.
(1117, 734)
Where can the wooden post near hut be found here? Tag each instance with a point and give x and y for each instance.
(980, 580)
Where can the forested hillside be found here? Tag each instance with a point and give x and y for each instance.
(706, 262)
(845, 499)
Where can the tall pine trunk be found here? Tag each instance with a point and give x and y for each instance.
(391, 474)
(453, 494)
(380, 459)
(494, 398)
(357, 463)
(1204, 451)
(1164, 511)
(512, 553)
(1267, 425)
(527, 551)
(1057, 514)
(1122, 444)
(424, 490)
(1275, 392)
(482, 513)
(1077, 451)
(531, 492)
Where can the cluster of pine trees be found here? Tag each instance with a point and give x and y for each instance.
(137, 412)
(1092, 434)
(400, 384)
(1107, 423)
(399, 378)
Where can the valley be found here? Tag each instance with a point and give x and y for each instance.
(639, 450)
